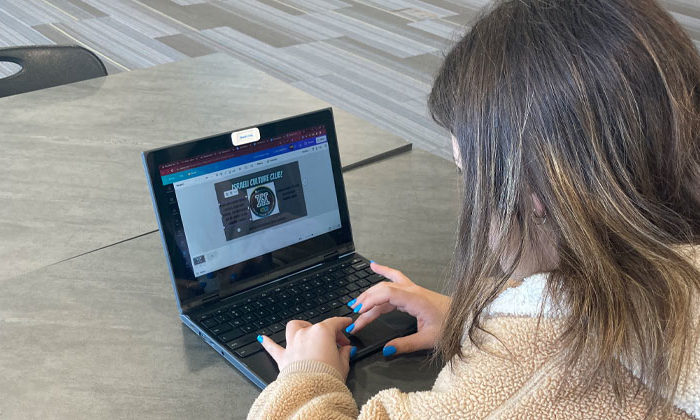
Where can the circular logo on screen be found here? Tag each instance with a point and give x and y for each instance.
(262, 201)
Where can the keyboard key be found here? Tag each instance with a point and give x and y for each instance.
(278, 337)
(231, 335)
(334, 304)
(248, 328)
(285, 314)
(375, 278)
(342, 310)
(317, 319)
(324, 308)
(351, 287)
(361, 265)
(362, 283)
(354, 294)
(352, 277)
(222, 318)
(345, 299)
(241, 341)
(349, 270)
(210, 322)
(249, 317)
(248, 350)
(260, 323)
(264, 331)
(222, 328)
(361, 274)
(262, 313)
(308, 305)
(311, 313)
(276, 327)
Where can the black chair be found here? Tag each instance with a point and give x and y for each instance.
(45, 66)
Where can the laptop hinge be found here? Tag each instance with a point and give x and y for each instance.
(210, 299)
(330, 257)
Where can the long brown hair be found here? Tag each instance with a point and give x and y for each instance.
(593, 106)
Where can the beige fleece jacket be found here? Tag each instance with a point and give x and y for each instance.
(496, 384)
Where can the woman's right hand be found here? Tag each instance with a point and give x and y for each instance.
(429, 308)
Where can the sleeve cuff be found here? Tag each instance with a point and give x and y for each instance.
(311, 366)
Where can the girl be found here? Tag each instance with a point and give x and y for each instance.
(576, 124)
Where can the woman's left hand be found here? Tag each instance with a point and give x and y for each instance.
(324, 342)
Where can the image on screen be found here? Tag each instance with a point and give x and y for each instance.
(239, 204)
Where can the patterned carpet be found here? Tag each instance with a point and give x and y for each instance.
(374, 58)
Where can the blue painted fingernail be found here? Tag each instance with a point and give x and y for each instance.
(357, 308)
(350, 327)
(260, 338)
(371, 261)
(388, 351)
(352, 302)
(353, 352)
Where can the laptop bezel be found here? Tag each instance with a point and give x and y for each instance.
(341, 238)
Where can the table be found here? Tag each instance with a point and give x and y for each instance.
(98, 336)
(71, 178)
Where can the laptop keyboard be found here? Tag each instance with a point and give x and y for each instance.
(312, 298)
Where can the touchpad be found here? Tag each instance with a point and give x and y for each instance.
(386, 327)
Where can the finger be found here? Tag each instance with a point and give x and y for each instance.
(392, 274)
(381, 294)
(275, 350)
(337, 324)
(341, 339)
(345, 354)
(361, 299)
(410, 343)
(292, 327)
(369, 316)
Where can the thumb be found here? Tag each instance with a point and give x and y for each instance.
(345, 355)
(408, 344)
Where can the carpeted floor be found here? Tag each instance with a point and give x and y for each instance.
(375, 58)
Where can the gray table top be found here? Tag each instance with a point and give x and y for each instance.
(71, 178)
(98, 336)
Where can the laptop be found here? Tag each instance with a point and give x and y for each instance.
(256, 232)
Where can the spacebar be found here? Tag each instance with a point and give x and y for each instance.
(340, 311)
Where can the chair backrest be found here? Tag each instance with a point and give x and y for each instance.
(45, 66)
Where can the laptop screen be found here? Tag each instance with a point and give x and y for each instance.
(231, 214)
